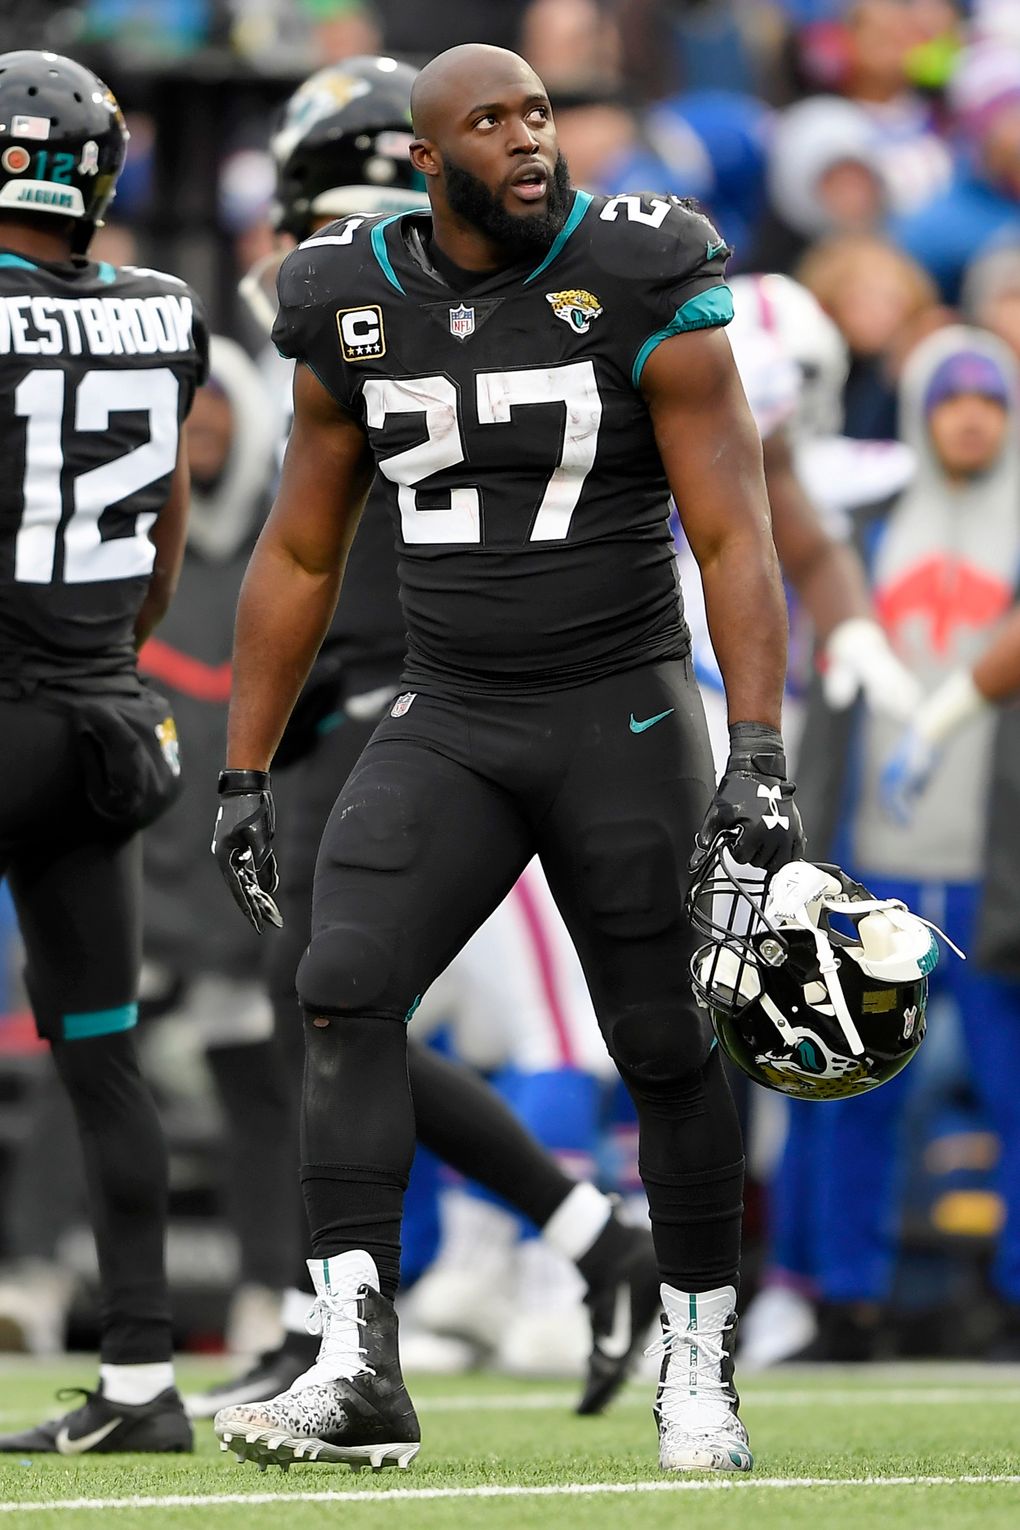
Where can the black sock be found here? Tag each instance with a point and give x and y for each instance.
(126, 1170)
(261, 1114)
(471, 1128)
(357, 1139)
(693, 1172)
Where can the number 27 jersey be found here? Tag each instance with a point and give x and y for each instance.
(510, 434)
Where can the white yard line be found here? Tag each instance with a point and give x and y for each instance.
(555, 1490)
(637, 1395)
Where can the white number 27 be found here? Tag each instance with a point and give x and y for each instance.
(497, 395)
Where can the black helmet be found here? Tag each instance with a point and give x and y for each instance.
(799, 1004)
(342, 146)
(62, 140)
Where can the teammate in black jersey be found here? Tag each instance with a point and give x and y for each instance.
(531, 369)
(98, 368)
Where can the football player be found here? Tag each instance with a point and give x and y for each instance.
(343, 147)
(531, 369)
(99, 368)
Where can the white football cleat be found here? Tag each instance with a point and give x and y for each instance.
(696, 1402)
(351, 1405)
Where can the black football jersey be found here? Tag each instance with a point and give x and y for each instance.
(509, 430)
(98, 368)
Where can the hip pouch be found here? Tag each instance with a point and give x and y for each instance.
(130, 756)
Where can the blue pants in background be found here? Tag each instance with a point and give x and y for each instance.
(836, 1197)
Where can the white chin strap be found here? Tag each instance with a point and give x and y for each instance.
(797, 895)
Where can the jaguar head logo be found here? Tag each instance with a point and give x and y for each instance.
(166, 735)
(576, 307)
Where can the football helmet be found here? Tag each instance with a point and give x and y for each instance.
(814, 986)
(343, 145)
(794, 317)
(62, 141)
(341, 148)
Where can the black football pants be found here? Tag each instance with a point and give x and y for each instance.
(459, 1117)
(77, 895)
(608, 783)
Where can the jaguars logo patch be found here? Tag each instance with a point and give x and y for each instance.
(166, 735)
(576, 307)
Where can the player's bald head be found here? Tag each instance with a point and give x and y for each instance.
(462, 77)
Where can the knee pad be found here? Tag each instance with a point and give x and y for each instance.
(656, 1052)
(346, 967)
(630, 879)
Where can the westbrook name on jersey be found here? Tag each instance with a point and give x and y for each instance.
(510, 433)
(98, 368)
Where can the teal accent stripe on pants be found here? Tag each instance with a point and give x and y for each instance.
(100, 1022)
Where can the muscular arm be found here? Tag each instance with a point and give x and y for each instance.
(291, 586)
(826, 574)
(712, 455)
(169, 535)
(997, 672)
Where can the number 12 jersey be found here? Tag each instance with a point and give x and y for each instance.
(510, 433)
(98, 368)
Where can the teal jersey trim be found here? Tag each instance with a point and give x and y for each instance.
(107, 273)
(8, 262)
(582, 202)
(100, 1022)
(709, 309)
(382, 254)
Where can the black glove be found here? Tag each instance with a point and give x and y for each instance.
(242, 841)
(754, 802)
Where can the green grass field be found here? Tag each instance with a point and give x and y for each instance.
(919, 1447)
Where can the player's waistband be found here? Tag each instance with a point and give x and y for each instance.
(447, 680)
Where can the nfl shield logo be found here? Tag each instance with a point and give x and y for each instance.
(402, 704)
(462, 322)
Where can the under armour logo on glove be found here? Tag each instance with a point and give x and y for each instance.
(773, 819)
(766, 837)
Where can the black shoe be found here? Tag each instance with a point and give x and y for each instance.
(102, 1427)
(272, 1373)
(624, 1305)
(364, 1419)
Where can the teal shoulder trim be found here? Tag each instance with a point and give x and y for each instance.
(382, 254)
(709, 310)
(7, 262)
(100, 1022)
(107, 273)
(582, 202)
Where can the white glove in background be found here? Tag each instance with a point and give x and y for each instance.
(861, 662)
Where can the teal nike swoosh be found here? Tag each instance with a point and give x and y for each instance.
(712, 250)
(649, 722)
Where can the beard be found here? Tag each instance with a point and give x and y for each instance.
(519, 234)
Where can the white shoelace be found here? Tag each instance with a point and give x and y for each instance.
(693, 1398)
(342, 1354)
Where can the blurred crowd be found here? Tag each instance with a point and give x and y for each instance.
(870, 151)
